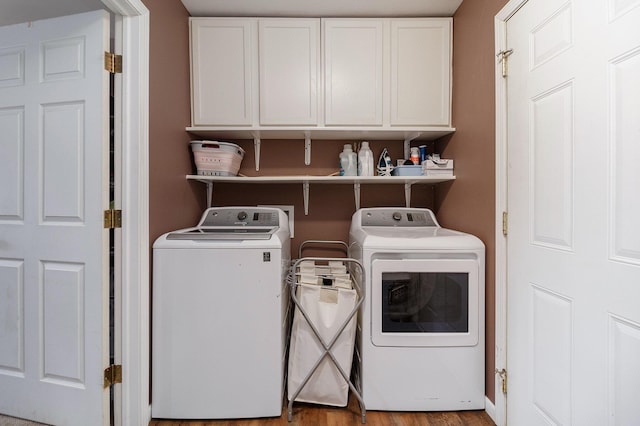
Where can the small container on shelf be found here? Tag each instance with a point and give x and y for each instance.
(415, 155)
(409, 170)
(438, 167)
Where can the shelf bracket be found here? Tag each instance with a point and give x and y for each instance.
(256, 150)
(307, 148)
(407, 194)
(356, 194)
(305, 194)
(209, 193)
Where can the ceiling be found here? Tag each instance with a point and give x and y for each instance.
(322, 8)
(18, 11)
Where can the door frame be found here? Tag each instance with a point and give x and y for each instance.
(501, 171)
(134, 400)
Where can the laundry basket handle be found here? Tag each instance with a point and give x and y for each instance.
(322, 242)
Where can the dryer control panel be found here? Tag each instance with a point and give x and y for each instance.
(398, 217)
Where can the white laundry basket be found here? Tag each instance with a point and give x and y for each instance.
(327, 309)
(215, 158)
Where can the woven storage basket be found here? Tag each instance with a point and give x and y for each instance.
(214, 158)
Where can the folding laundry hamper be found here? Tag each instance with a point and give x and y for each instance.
(327, 309)
(323, 336)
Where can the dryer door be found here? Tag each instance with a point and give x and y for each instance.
(425, 302)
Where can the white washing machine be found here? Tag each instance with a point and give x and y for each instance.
(220, 316)
(423, 327)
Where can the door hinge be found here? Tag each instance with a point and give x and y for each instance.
(505, 223)
(112, 375)
(503, 378)
(112, 219)
(113, 63)
(502, 59)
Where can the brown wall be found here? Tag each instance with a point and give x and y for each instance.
(330, 206)
(466, 204)
(173, 202)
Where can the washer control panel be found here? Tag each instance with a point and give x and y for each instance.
(398, 217)
(241, 216)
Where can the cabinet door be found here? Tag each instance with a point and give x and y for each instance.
(289, 55)
(421, 72)
(353, 71)
(222, 52)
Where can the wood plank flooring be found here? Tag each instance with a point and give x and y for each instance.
(315, 415)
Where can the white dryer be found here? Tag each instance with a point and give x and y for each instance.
(422, 342)
(219, 316)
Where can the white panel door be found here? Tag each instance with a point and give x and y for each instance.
(53, 250)
(222, 60)
(573, 339)
(421, 72)
(353, 71)
(289, 56)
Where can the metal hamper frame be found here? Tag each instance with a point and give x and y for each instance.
(356, 387)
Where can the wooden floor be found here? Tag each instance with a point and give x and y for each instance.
(314, 415)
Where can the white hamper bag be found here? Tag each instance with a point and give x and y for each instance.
(327, 308)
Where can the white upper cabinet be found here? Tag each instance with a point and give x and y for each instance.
(420, 72)
(353, 54)
(289, 56)
(387, 72)
(222, 60)
(321, 78)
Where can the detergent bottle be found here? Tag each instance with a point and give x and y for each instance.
(348, 162)
(365, 160)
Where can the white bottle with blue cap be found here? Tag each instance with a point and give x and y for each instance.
(348, 162)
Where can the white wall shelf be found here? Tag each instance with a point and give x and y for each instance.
(405, 134)
(306, 181)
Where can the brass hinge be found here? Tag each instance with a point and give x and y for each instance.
(112, 375)
(113, 63)
(112, 219)
(503, 378)
(502, 59)
(505, 223)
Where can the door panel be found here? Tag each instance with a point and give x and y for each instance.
(625, 156)
(12, 286)
(573, 335)
(353, 71)
(420, 72)
(289, 58)
(551, 165)
(53, 249)
(61, 149)
(12, 170)
(551, 345)
(222, 55)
